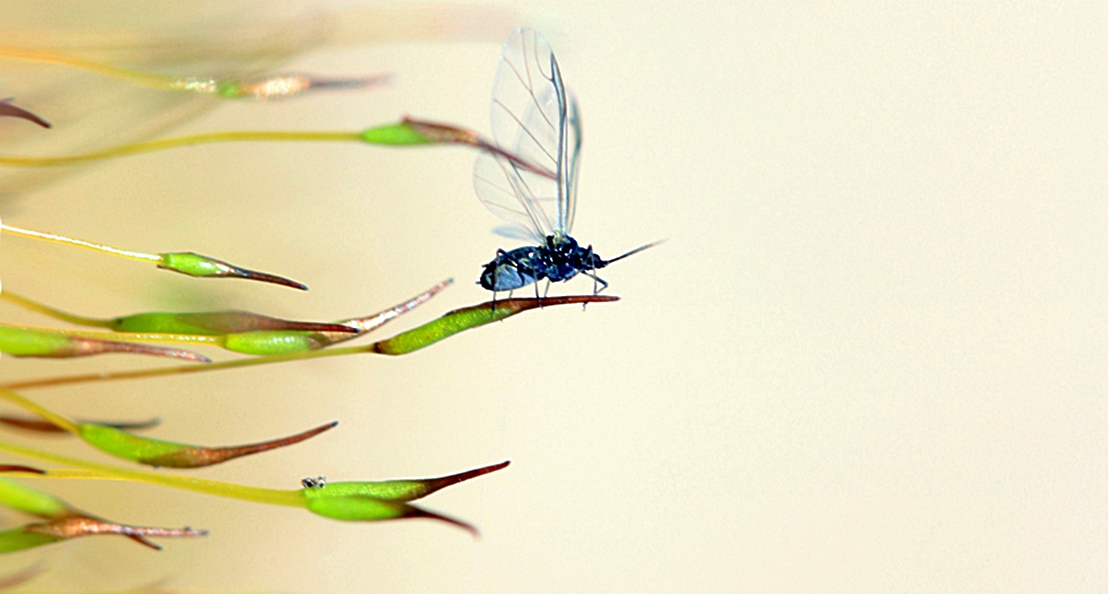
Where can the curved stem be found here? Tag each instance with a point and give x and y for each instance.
(443, 327)
(57, 314)
(130, 76)
(168, 143)
(58, 420)
(96, 247)
(92, 470)
(155, 337)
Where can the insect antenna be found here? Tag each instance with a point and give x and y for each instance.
(635, 251)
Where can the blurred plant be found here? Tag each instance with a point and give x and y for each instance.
(61, 521)
(353, 501)
(242, 69)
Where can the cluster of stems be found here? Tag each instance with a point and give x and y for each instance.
(253, 338)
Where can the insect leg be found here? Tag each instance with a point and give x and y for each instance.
(597, 279)
(590, 258)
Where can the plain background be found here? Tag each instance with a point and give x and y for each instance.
(870, 358)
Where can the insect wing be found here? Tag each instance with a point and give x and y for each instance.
(529, 118)
(574, 147)
(513, 232)
(507, 192)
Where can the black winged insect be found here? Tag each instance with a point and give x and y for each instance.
(536, 120)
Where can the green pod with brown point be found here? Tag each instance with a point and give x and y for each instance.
(450, 323)
(474, 316)
(197, 265)
(398, 490)
(155, 452)
(25, 342)
(215, 323)
(273, 342)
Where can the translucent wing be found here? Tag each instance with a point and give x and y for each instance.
(574, 147)
(529, 113)
(513, 232)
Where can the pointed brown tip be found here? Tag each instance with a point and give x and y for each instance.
(146, 543)
(20, 468)
(520, 304)
(201, 266)
(28, 424)
(417, 512)
(199, 457)
(183, 355)
(443, 482)
(235, 321)
(350, 83)
(81, 347)
(132, 426)
(266, 277)
(10, 110)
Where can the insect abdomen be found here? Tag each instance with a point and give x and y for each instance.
(512, 270)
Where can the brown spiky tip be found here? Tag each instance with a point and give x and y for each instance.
(232, 322)
(77, 525)
(198, 265)
(83, 347)
(340, 84)
(266, 277)
(289, 85)
(139, 534)
(413, 511)
(4, 468)
(367, 323)
(10, 110)
(435, 484)
(197, 457)
(449, 134)
(37, 425)
(519, 304)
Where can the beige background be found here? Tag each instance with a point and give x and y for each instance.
(870, 358)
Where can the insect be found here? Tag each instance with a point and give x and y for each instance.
(314, 483)
(535, 119)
